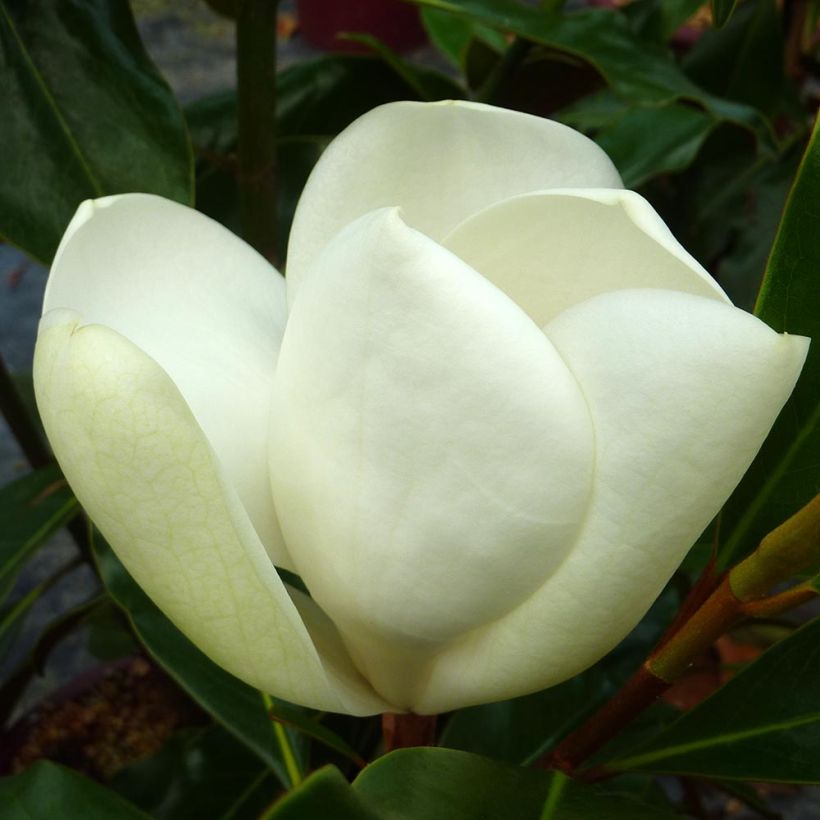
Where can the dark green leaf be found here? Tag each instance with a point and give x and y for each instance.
(315, 98)
(325, 794)
(659, 19)
(12, 616)
(198, 773)
(299, 718)
(744, 61)
(426, 85)
(633, 68)
(763, 724)
(323, 96)
(85, 114)
(452, 35)
(521, 730)
(440, 784)
(678, 133)
(32, 509)
(34, 662)
(786, 473)
(47, 791)
(237, 706)
(722, 10)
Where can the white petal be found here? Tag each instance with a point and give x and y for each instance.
(431, 453)
(141, 466)
(552, 249)
(439, 162)
(682, 391)
(202, 303)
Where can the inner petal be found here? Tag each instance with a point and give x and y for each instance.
(549, 250)
(431, 454)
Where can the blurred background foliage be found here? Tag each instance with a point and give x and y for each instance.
(705, 109)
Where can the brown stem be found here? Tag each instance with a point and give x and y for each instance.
(698, 594)
(401, 731)
(776, 605)
(792, 547)
(633, 697)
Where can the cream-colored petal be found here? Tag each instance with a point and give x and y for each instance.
(199, 301)
(682, 392)
(431, 454)
(438, 162)
(141, 466)
(549, 250)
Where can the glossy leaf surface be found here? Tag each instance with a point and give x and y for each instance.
(762, 725)
(786, 473)
(85, 114)
(439, 784)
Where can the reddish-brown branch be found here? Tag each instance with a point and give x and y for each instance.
(793, 547)
(640, 690)
(401, 731)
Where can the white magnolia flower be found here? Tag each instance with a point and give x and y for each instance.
(491, 410)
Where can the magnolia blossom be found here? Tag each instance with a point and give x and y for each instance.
(489, 412)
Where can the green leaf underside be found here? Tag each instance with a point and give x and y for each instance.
(86, 114)
(763, 725)
(237, 706)
(786, 473)
(49, 791)
(32, 509)
(633, 68)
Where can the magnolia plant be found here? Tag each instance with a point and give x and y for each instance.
(484, 418)
(497, 506)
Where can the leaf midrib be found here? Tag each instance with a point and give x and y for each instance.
(40, 81)
(712, 742)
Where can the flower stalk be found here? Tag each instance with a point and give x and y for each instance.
(401, 731)
(741, 593)
(256, 86)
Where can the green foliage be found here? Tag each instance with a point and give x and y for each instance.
(620, 128)
(199, 773)
(633, 68)
(712, 131)
(235, 705)
(762, 725)
(32, 509)
(85, 114)
(722, 10)
(46, 790)
(786, 473)
(316, 99)
(439, 784)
